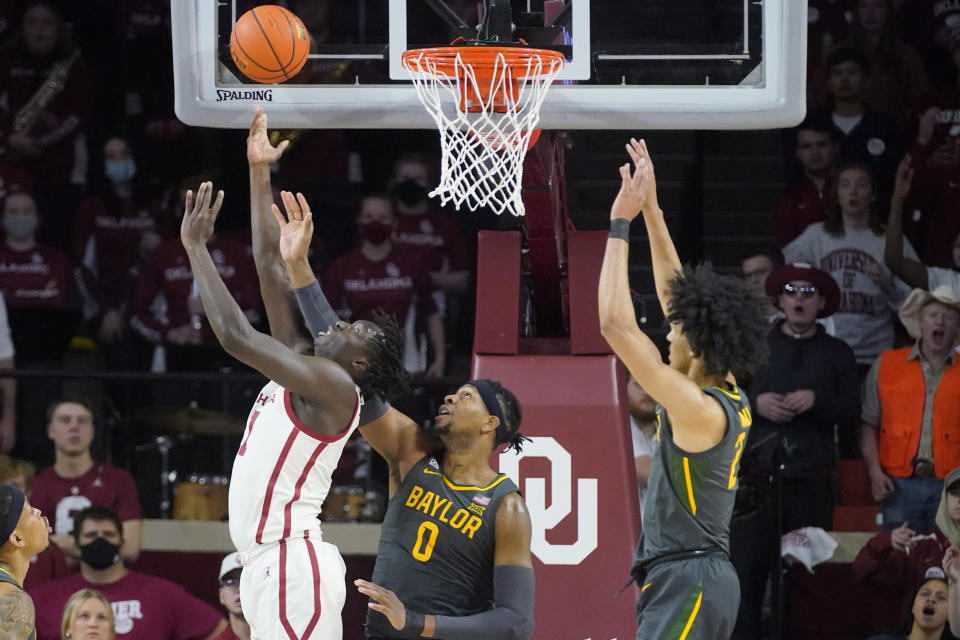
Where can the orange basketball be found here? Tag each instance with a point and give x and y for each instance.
(269, 44)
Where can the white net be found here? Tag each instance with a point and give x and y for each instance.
(485, 125)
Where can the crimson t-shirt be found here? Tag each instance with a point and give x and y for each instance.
(437, 236)
(61, 498)
(357, 286)
(144, 608)
(38, 278)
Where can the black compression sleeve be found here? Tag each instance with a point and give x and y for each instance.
(512, 617)
(316, 311)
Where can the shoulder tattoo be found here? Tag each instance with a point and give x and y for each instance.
(16, 615)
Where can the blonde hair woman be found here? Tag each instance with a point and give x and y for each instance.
(87, 615)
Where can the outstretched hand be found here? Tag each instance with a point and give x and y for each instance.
(951, 563)
(903, 180)
(384, 601)
(199, 216)
(296, 229)
(259, 149)
(638, 189)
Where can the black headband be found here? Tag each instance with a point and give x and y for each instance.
(489, 396)
(10, 520)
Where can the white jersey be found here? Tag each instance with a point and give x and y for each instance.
(282, 472)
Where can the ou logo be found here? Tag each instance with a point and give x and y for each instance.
(544, 518)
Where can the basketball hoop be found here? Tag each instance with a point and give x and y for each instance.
(486, 102)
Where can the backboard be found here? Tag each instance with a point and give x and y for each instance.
(697, 64)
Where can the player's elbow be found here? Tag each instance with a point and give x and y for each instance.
(521, 629)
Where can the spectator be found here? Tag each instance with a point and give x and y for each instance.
(864, 134)
(808, 389)
(422, 226)
(76, 481)
(45, 95)
(935, 162)
(911, 412)
(19, 473)
(802, 204)
(237, 627)
(378, 273)
(144, 607)
(37, 285)
(8, 386)
(927, 618)
(828, 23)
(167, 312)
(899, 77)
(116, 230)
(757, 263)
(849, 245)
(899, 557)
(87, 616)
(912, 271)
(643, 430)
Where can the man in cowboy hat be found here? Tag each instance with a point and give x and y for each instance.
(910, 423)
(808, 385)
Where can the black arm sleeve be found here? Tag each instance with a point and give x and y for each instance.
(510, 619)
(316, 311)
(320, 316)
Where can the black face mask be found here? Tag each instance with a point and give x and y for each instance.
(409, 193)
(100, 554)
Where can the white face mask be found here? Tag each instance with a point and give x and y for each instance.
(20, 226)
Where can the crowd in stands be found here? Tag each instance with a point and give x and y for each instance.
(862, 277)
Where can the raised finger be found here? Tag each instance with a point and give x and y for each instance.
(217, 203)
(207, 194)
(278, 215)
(302, 201)
(291, 205)
(634, 156)
(198, 202)
(189, 202)
(256, 118)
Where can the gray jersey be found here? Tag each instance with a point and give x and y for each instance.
(690, 495)
(437, 544)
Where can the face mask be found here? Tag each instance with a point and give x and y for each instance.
(120, 170)
(376, 231)
(100, 554)
(409, 193)
(20, 227)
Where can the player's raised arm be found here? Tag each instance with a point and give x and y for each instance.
(316, 379)
(274, 285)
(687, 404)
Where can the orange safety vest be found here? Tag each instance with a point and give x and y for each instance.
(902, 392)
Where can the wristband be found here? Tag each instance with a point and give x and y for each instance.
(620, 228)
(413, 623)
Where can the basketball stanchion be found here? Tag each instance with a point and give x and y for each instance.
(485, 100)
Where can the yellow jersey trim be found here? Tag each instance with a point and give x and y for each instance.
(686, 476)
(693, 616)
(12, 577)
(645, 587)
(735, 394)
(464, 487)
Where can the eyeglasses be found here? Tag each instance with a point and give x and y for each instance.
(807, 290)
(230, 582)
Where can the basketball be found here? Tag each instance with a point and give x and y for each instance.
(269, 44)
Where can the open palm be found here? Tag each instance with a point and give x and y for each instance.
(296, 228)
(259, 149)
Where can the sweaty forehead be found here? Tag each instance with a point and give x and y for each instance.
(368, 327)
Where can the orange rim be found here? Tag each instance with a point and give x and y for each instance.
(482, 59)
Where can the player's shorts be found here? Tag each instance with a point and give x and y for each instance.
(689, 599)
(293, 590)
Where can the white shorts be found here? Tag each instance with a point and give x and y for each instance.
(294, 590)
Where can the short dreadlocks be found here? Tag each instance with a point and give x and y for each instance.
(385, 375)
(723, 320)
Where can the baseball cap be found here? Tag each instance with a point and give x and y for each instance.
(952, 478)
(231, 562)
(935, 573)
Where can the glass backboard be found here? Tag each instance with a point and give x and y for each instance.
(697, 64)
